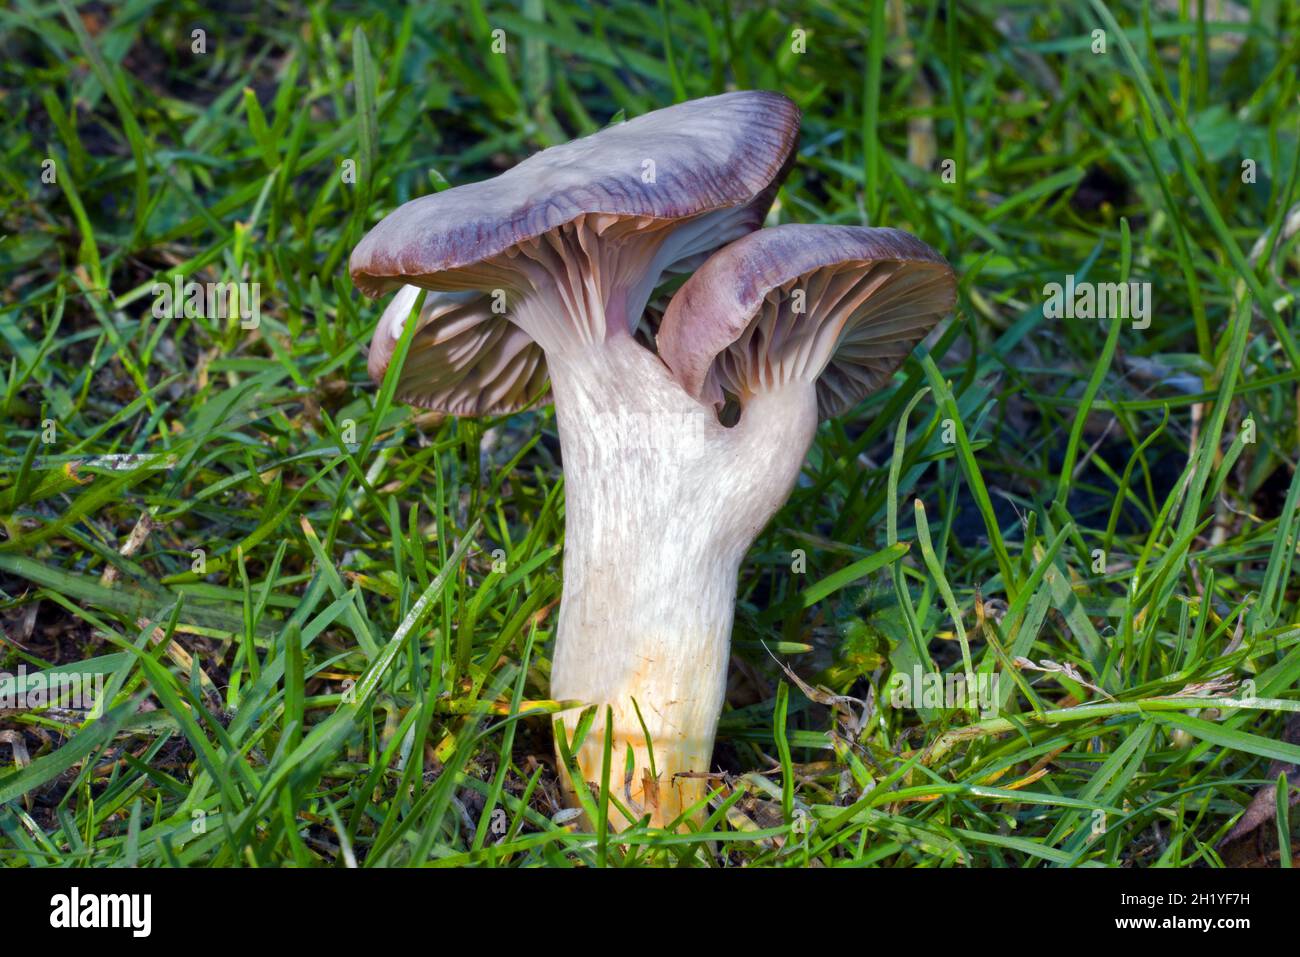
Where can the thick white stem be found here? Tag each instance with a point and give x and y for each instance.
(661, 504)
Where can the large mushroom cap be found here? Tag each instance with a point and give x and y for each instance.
(572, 242)
(463, 360)
(697, 157)
(839, 305)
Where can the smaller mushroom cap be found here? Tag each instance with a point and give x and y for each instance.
(464, 358)
(841, 306)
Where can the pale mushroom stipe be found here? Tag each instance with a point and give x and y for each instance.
(662, 500)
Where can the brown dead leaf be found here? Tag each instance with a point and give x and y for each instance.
(1253, 840)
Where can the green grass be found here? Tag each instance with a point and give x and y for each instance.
(357, 673)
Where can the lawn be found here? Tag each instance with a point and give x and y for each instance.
(319, 623)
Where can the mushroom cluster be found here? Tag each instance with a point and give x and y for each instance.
(540, 278)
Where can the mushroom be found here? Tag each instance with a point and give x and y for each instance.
(662, 499)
